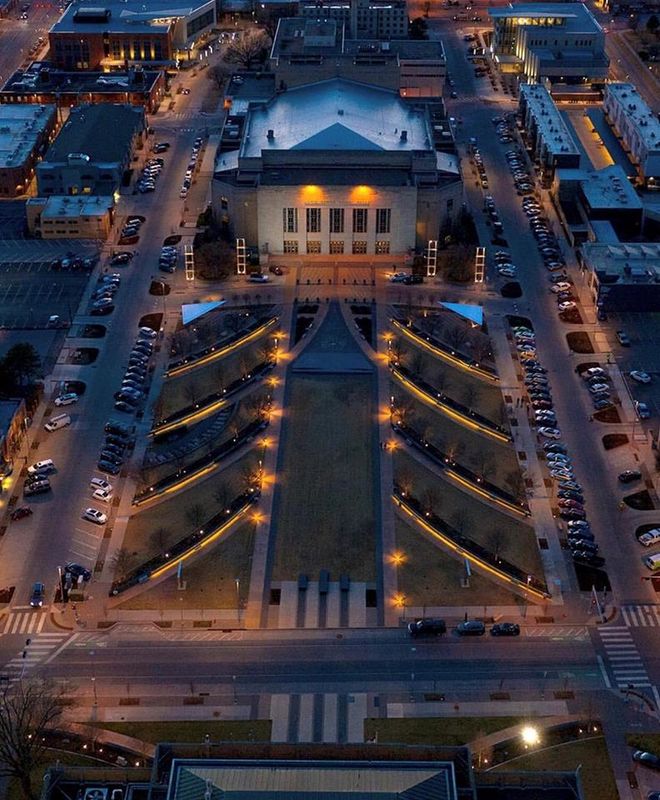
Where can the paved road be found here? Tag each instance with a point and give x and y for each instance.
(626, 66)
(18, 36)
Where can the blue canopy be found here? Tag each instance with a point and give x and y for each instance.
(474, 313)
(192, 311)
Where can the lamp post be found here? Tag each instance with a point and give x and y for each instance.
(237, 582)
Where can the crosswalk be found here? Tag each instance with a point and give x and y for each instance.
(23, 622)
(333, 608)
(310, 717)
(624, 661)
(641, 616)
(42, 647)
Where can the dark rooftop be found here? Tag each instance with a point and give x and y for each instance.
(42, 76)
(101, 132)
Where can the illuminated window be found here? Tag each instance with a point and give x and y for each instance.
(383, 216)
(336, 247)
(359, 248)
(290, 246)
(313, 247)
(382, 247)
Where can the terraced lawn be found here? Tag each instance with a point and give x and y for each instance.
(511, 538)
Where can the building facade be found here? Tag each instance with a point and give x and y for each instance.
(545, 132)
(364, 19)
(307, 51)
(337, 168)
(559, 42)
(92, 151)
(623, 276)
(637, 127)
(62, 217)
(25, 132)
(117, 33)
(43, 83)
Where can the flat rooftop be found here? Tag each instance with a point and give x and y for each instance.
(335, 115)
(630, 262)
(303, 36)
(556, 135)
(574, 17)
(42, 76)
(101, 132)
(635, 108)
(125, 15)
(58, 207)
(605, 189)
(20, 128)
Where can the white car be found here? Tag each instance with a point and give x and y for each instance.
(594, 372)
(104, 495)
(42, 467)
(650, 537)
(94, 515)
(560, 287)
(147, 333)
(640, 377)
(550, 433)
(100, 483)
(507, 272)
(66, 399)
(567, 305)
(597, 388)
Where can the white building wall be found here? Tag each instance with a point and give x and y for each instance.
(402, 201)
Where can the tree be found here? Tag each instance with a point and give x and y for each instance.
(192, 391)
(27, 710)
(123, 561)
(496, 541)
(653, 24)
(471, 394)
(250, 48)
(418, 29)
(513, 480)
(218, 74)
(430, 500)
(159, 538)
(21, 364)
(195, 515)
(456, 335)
(213, 260)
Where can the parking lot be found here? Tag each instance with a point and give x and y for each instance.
(643, 355)
(30, 292)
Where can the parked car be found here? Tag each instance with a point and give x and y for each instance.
(66, 399)
(623, 339)
(78, 571)
(643, 411)
(647, 759)
(505, 629)
(427, 627)
(108, 467)
(640, 377)
(44, 467)
(629, 475)
(95, 516)
(20, 513)
(471, 627)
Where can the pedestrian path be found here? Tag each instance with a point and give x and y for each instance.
(23, 622)
(623, 659)
(41, 647)
(315, 717)
(332, 609)
(641, 616)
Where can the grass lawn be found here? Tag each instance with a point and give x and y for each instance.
(193, 731)
(482, 397)
(156, 528)
(644, 741)
(597, 777)
(451, 731)
(481, 521)
(326, 502)
(429, 576)
(69, 759)
(210, 579)
(181, 391)
(495, 460)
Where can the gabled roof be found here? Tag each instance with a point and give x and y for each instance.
(336, 137)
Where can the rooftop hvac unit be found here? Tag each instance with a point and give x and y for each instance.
(95, 793)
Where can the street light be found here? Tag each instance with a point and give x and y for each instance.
(238, 599)
(530, 736)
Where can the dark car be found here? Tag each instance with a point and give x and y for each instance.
(410, 279)
(624, 341)
(109, 468)
(275, 269)
(591, 559)
(36, 487)
(471, 627)
(630, 475)
(427, 627)
(120, 405)
(505, 629)
(119, 259)
(647, 759)
(574, 537)
(121, 441)
(20, 512)
(37, 596)
(111, 457)
(102, 312)
(78, 571)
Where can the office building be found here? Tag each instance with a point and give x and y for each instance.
(622, 276)
(91, 36)
(337, 168)
(559, 42)
(637, 127)
(364, 19)
(546, 134)
(307, 50)
(63, 217)
(25, 132)
(92, 151)
(41, 82)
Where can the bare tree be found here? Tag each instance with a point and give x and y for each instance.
(250, 48)
(461, 520)
(123, 561)
(27, 711)
(485, 464)
(218, 74)
(442, 380)
(455, 335)
(159, 538)
(430, 501)
(233, 322)
(192, 391)
(195, 515)
(221, 495)
(471, 394)
(496, 541)
(513, 480)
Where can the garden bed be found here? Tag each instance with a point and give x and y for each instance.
(579, 342)
(613, 440)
